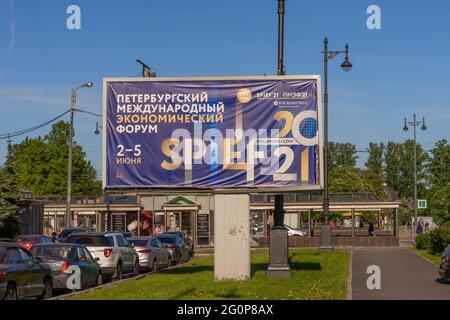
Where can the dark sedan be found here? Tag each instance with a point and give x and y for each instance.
(22, 275)
(63, 235)
(61, 257)
(28, 240)
(178, 249)
(186, 239)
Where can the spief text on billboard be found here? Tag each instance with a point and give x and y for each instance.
(240, 133)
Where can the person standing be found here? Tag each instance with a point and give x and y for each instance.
(419, 229)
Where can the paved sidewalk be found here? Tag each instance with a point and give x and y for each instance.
(404, 275)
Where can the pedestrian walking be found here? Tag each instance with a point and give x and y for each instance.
(371, 229)
(419, 228)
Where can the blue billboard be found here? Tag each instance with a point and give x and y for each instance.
(212, 133)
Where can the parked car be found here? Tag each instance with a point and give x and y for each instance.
(22, 275)
(186, 239)
(127, 235)
(28, 240)
(444, 268)
(60, 257)
(295, 232)
(116, 256)
(63, 235)
(152, 254)
(178, 249)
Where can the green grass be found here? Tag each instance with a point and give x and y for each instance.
(436, 259)
(316, 275)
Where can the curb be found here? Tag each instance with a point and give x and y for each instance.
(131, 278)
(73, 294)
(423, 257)
(350, 276)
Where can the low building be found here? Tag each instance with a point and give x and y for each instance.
(147, 213)
(31, 214)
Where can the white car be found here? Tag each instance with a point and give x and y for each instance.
(295, 232)
(116, 256)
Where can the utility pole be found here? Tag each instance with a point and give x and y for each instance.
(73, 103)
(68, 219)
(414, 124)
(326, 234)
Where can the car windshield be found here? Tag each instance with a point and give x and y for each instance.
(93, 241)
(167, 239)
(138, 242)
(447, 252)
(2, 254)
(27, 238)
(59, 253)
(66, 232)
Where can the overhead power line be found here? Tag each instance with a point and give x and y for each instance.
(25, 131)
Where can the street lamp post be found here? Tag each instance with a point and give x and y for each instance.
(326, 240)
(278, 248)
(414, 124)
(69, 165)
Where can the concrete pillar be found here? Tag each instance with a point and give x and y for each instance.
(232, 237)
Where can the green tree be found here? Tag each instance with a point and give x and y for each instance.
(439, 181)
(439, 164)
(41, 165)
(351, 179)
(9, 199)
(406, 187)
(392, 161)
(374, 162)
(342, 155)
(399, 162)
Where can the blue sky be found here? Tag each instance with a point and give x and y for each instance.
(398, 70)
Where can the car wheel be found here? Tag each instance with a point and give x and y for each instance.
(11, 293)
(119, 272)
(99, 280)
(48, 289)
(136, 268)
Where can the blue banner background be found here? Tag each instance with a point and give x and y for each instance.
(258, 113)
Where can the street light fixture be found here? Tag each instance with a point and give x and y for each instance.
(326, 239)
(97, 128)
(69, 165)
(415, 124)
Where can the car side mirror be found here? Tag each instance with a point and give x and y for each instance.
(97, 259)
(131, 245)
(37, 260)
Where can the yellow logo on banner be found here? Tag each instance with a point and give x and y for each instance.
(244, 95)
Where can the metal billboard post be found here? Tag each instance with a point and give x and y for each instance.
(279, 244)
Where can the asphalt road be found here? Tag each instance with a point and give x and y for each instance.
(404, 275)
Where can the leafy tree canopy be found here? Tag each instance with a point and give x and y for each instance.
(41, 165)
